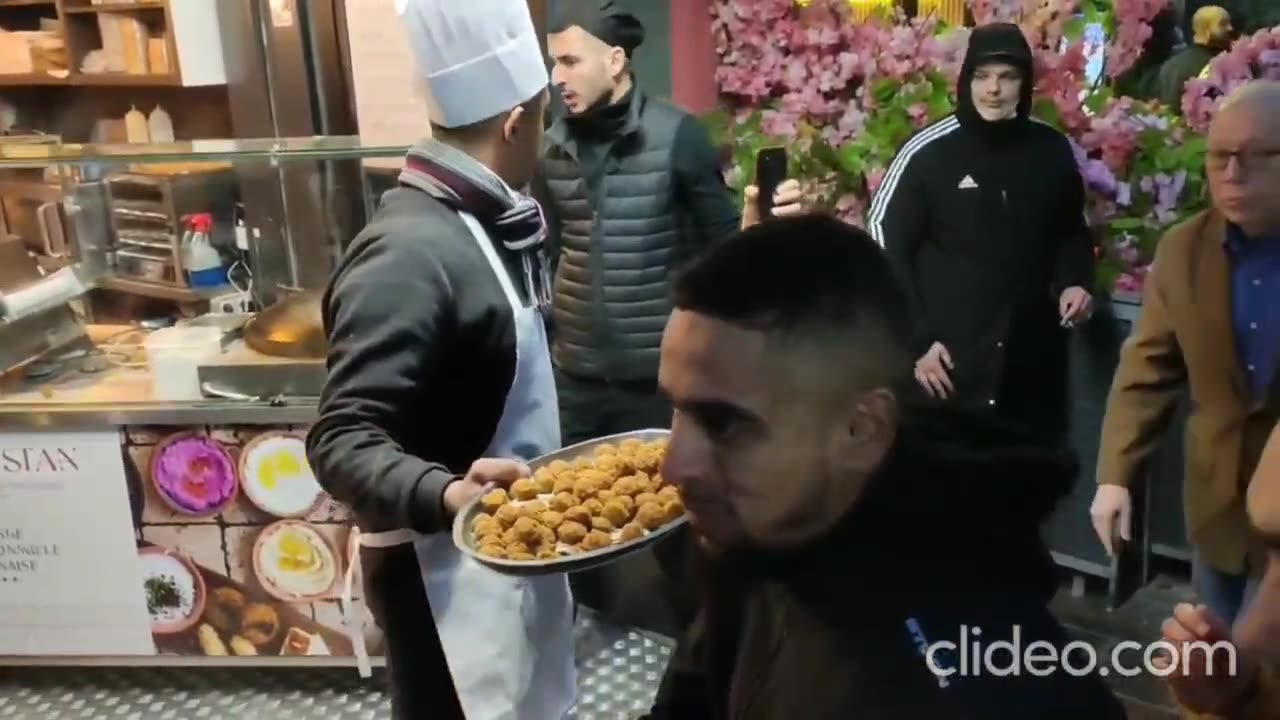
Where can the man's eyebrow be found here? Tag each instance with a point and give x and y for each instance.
(723, 409)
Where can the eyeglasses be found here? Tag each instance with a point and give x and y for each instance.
(1246, 160)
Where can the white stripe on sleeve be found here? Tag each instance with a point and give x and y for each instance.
(884, 194)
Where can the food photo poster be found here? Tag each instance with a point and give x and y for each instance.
(219, 541)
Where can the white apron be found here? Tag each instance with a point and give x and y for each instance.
(508, 641)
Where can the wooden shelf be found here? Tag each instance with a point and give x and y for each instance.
(187, 29)
(125, 80)
(85, 79)
(25, 79)
(161, 291)
(111, 8)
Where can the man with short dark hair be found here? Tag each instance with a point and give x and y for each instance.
(846, 539)
(633, 188)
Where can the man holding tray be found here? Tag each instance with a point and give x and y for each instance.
(438, 357)
(851, 544)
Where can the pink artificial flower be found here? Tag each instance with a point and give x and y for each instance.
(1227, 72)
(1128, 283)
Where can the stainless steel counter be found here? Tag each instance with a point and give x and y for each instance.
(76, 396)
(82, 415)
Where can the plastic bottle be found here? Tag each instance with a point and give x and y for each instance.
(199, 257)
(135, 126)
(160, 126)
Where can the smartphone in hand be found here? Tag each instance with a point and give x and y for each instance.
(771, 171)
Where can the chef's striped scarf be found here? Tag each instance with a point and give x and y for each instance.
(510, 217)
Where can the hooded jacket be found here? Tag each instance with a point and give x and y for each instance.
(945, 536)
(985, 223)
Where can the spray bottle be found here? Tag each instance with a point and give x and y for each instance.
(199, 257)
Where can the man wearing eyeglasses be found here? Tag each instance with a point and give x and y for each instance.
(1210, 326)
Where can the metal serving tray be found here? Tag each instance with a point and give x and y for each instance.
(568, 563)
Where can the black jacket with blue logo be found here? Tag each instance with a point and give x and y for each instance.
(943, 548)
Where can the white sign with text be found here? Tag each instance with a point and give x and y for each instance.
(68, 557)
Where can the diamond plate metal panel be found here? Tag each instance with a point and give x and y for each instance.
(619, 673)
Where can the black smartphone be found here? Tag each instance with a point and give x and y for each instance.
(771, 171)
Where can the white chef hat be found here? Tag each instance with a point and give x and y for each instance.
(478, 58)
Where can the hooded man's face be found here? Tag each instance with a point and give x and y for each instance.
(996, 88)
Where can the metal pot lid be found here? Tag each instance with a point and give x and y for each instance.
(292, 328)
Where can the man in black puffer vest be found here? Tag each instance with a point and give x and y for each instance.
(632, 187)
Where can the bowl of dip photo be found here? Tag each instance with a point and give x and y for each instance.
(194, 474)
(175, 590)
(275, 475)
(295, 563)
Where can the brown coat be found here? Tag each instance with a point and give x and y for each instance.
(1183, 339)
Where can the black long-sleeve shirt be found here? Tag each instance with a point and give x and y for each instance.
(422, 352)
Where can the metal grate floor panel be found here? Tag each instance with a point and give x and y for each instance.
(619, 673)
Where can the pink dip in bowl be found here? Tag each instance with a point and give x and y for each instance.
(195, 474)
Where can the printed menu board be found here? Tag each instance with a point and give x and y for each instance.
(243, 553)
(201, 541)
(68, 561)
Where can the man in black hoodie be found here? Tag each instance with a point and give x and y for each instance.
(982, 214)
(844, 538)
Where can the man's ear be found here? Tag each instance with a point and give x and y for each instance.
(617, 61)
(511, 125)
(871, 431)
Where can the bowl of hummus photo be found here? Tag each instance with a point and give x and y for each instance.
(294, 562)
(275, 476)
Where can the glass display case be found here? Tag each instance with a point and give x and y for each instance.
(161, 354)
(114, 243)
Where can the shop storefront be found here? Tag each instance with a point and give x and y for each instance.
(155, 499)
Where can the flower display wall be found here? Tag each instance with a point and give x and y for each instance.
(1248, 59)
(844, 96)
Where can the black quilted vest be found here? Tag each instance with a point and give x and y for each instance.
(620, 238)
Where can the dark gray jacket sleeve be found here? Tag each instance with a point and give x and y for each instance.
(390, 319)
(700, 181)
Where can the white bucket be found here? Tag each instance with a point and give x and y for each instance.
(174, 354)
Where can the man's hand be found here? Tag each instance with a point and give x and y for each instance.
(1202, 679)
(932, 372)
(1111, 504)
(499, 471)
(1075, 305)
(786, 201)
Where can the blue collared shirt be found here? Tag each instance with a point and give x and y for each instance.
(1255, 306)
